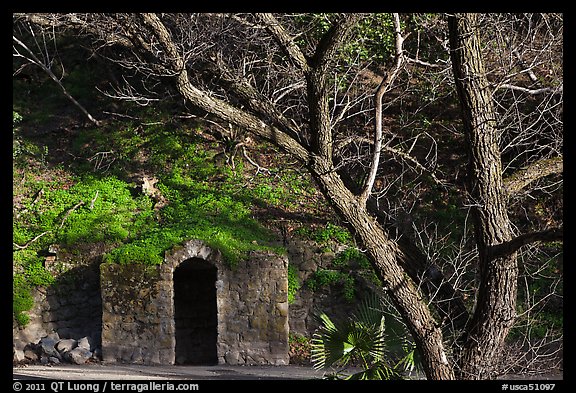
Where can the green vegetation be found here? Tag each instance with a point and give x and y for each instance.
(327, 277)
(359, 340)
(345, 265)
(293, 283)
(93, 194)
(300, 348)
(22, 299)
(376, 32)
(326, 235)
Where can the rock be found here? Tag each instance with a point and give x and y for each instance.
(30, 354)
(18, 355)
(232, 357)
(79, 355)
(47, 347)
(85, 343)
(54, 336)
(53, 360)
(282, 308)
(66, 345)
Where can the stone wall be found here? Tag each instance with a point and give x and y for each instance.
(131, 308)
(71, 307)
(308, 257)
(139, 315)
(136, 322)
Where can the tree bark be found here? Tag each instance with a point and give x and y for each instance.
(495, 312)
(382, 251)
(385, 256)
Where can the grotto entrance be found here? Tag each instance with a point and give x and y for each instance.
(196, 308)
(195, 313)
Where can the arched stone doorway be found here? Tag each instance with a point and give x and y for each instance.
(196, 308)
(195, 312)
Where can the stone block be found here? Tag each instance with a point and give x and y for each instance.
(18, 355)
(66, 345)
(85, 343)
(31, 355)
(137, 356)
(166, 356)
(233, 358)
(282, 309)
(47, 346)
(79, 355)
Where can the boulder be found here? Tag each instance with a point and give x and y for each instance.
(30, 354)
(54, 336)
(86, 343)
(66, 345)
(18, 356)
(47, 346)
(79, 355)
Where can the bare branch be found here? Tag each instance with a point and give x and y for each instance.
(532, 92)
(93, 200)
(19, 247)
(511, 246)
(255, 164)
(284, 40)
(213, 105)
(76, 206)
(252, 98)
(537, 170)
(382, 89)
(34, 60)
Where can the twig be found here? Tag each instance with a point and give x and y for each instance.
(531, 92)
(99, 158)
(258, 167)
(34, 60)
(93, 200)
(19, 247)
(76, 206)
(38, 196)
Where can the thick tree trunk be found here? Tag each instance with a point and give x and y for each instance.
(384, 254)
(496, 300)
(382, 251)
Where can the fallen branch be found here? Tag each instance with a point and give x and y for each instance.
(19, 247)
(76, 206)
(258, 167)
(93, 200)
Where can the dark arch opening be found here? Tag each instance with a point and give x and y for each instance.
(195, 314)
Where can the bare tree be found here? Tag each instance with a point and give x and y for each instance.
(44, 60)
(353, 124)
